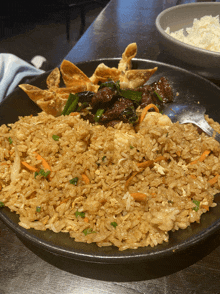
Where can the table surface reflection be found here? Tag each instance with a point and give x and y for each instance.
(25, 269)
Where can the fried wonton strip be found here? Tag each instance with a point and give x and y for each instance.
(35, 94)
(129, 53)
(72, 75)
(91, 87)
(103, 73)
(53, 80)
(54, 106)
(72, 90)
(136, 77)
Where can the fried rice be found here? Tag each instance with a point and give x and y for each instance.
(120, 186)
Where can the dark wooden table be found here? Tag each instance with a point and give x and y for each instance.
(25, 269)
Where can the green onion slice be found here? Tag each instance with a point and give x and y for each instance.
(114, 224)
(56, 138)
(10, 140)
(68, 103)
(2, 204)
(38, 208)
(42, 173)
(158, 96)
(98, 114)
(77, 213)
(74, 181)
(88, 231)
(197, 203)
(73, 105)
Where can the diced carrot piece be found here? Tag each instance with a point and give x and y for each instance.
(44, 162)
(85, 179)
(145, 111)
(139, 196)
(86, 220)
(130, 179)
(28, 166)
(214, 180)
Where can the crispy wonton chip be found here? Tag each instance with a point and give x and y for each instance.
(129, 53)
(136, 77)
(53, 80)
(72, 75)
(35, 93)
(103, 73)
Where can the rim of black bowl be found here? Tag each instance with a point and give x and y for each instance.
(127, 256)
(184, 45)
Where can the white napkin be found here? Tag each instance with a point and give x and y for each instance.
(12, 71)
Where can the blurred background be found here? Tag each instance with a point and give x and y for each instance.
(28, 29)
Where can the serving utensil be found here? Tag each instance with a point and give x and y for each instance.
(190, 113)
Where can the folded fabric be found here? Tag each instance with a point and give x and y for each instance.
(12, 71)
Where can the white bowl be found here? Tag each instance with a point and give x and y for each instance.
(182, 16)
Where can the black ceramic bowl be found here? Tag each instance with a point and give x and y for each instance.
(191, 88)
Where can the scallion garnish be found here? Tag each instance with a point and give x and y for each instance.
(70, 104)
(56, 138)
(78, 213)
(98, 114)
(103, 158)
(38, 208)
(74, 181)
(197, 203)
(131, 147)
(42, 173)
(73, 105)
(2, 204)
(10, 140)
(114, 224)
(158, 96)
(88, 231)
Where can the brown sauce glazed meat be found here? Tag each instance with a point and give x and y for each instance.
(118, 105)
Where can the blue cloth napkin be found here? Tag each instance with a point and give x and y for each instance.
(12, 71)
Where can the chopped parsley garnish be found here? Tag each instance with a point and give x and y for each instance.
(98, 114)
(78, 213)
(131, 147)
(2, 204)
(103, 158)
(88, 231)
(197, 203)
(42, 173)
(114, 224)
(158, 96)
(74, 181)
(170, 201)
(38, 208)
(10, 140)
(56, 138)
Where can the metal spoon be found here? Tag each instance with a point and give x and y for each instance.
(191, 113)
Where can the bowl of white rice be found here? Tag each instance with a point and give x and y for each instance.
(191, 33)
